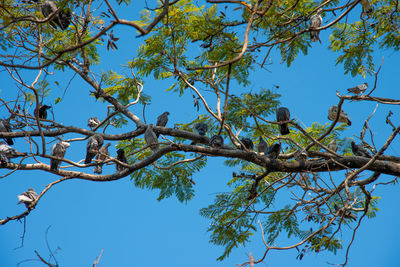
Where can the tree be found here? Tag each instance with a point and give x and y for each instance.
(207, 55)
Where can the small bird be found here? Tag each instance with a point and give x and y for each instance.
(41, 111)
(28, 197)
(359, 89)
(162, 120)
(93, 122)
(283, 114)
(345, 214)
(247, 143)
(121, 157)
(9, 152)
(101, 157)
(262, 145)
(359, 150)
(300, 155)
(366, 6)
(333, 145)
(201, 128)
(58, 150)
(6, 127)
(216, 141)
(151, 138)
(343, 117)
(61, 19)
(315, 22)
(272, 152)
(93, 146)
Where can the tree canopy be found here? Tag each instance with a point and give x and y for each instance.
(296, 191)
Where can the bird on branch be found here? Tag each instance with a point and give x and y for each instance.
(93, 146)
(58, 150)
(282, 115)
(343, 117)
(6, 127)
(28, 198)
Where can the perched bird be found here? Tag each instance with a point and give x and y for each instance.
(9, 152)
(315, 22)
(121, 157)
(345, 214)
(58, 150)
(93, 146)
(162, 120)
(333, 145)
(28, 197)
(272, 152)
(359, 89)
(93, 122)
(62, 19)
(101, 157)
(247, 143)
(366, 6)
(6, 127)
(262, 145)
(201, 128)
(151, 138)
(41, 111)
(216, 141)
(359, 150)
(283, 114)
(343, 117)
(300, 155)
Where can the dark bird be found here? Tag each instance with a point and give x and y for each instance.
(272, 152)
(247, 143)
(93, 122)
(6, 127)
(101, 156)
(41, 112)
(283, 114)
(201, 128)
(343, 117)
(9, 152)
(359, 150)
(93, 146)
(62, 19)
(216, 141)
(359, 89)
(333, 145)
(162, 120)
(151, 138)
(315, 22)
(58, 150)
(366, 7)
(262, 145)
(28, 197)
(345, 214)
(121, 157)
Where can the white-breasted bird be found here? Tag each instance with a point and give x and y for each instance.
(93, 146)
(343, 117)
(9, 152)
(315, 22)
(28, 197)
(58, 150)
(359, 89)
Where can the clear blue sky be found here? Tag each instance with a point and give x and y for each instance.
(134, 229)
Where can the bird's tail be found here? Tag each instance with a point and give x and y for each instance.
(54, 164)
(284, 129)
(9, 141)
(348, 122)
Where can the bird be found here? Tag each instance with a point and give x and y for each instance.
(58, 150)
(272, 152)
(93, 146)
(359, 89)
(101, 157)
(248, 144)
(359, 150)
(9, 152)
(162, 120)
(262, 145)
(6, 127)
(121, 157)
(93, 122)
(345, 214)
(62, 19)
(300, 155)
(315, 22)
(333, 145)
(216, 141)
(366, 6)
(201, 128)
(343, 117)
(41, 111)
(28, 197)
(151, 138)
(283, 114)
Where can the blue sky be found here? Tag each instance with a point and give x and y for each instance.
(134, 229)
